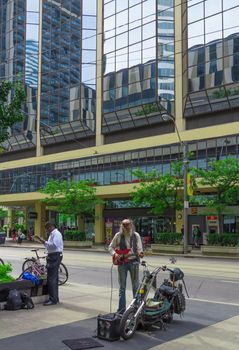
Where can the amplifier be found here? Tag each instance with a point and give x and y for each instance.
(108, 326)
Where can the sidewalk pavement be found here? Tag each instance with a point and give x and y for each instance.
(75, 317)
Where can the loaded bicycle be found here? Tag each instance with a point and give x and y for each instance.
(37, 267)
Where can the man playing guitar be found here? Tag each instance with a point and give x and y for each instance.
(126, 250)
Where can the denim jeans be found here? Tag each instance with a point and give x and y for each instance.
(133, 268)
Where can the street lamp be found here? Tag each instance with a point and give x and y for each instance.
(184, 145)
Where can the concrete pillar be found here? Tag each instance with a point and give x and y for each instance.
(99, 51)
(99, 224)
(10, 219)
(39, 148)
(39, 226)
(180, 121)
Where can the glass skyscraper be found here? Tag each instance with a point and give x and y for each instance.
(100, 78)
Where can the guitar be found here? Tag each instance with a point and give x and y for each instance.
(124, 256)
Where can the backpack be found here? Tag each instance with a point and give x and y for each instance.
(14, 300)
(27, 302)
(17, 300)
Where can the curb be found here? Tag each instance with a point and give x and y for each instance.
(95, 250)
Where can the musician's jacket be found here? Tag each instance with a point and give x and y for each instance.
(126, 241)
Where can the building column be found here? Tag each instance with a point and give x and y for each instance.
(99, 224)
(39, 148)
(99, 57)
(180, 121)
(39, 225)
(10, 219)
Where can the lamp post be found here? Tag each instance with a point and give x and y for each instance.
(184, 145)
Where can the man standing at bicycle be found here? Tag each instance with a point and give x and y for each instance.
(54, 246)
(126, 249)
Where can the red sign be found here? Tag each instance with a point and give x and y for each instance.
(211, 218)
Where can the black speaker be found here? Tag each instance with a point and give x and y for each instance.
(108, 326)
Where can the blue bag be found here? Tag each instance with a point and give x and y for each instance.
(29, 276)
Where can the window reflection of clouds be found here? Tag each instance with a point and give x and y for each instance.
(195, 13)
(32, 32)
(230, 18)
(229, 4)
(212, 8)
(196, 34)
(33, 5)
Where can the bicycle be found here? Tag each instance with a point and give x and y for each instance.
(37, 268)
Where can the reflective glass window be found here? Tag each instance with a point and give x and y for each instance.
(135, 36)
(213, 28)
(229, 4)
(109, 9)
(121, 5)
(121, 22)
(89, 7)
(33, 5)
(121, 40)
(211, 8)
(135, 16)
(149, 30)
(195, 13)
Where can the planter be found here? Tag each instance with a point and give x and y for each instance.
(220, 250)
(77, 244)
(167, 248)
(24, 286)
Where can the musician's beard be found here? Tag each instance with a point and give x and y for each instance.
(127, 232)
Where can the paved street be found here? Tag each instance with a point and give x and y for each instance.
(211, 319)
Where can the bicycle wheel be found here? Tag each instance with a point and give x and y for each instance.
(27, 265)
(1, 262)
(62, 274)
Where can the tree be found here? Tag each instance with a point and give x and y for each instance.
(12, 96)
(223, 178)
(73, 198)
(160, 192)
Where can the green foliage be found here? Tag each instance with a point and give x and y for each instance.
(148, 109)
(168, 238)
(159, 192)
(223, 178)
(223, 239)
(10, 109)
(20, 214)
(4, 273)
(20, 227)
(74, 235)
(73, 198)
(221, 93)
(3, 213)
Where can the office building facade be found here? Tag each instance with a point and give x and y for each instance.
(99, 76)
